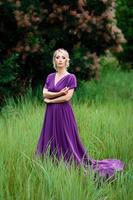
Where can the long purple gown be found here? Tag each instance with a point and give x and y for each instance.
(60, 135)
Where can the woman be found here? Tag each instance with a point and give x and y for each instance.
(59, 133)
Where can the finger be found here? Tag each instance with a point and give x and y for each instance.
(66, 88)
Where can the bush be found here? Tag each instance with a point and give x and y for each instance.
(36, 28)
(125, 22)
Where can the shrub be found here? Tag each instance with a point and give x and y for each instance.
(37, 28)
(125, 22)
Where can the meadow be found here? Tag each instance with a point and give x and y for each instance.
(104, 114)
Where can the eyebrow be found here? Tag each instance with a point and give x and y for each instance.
(61, 56)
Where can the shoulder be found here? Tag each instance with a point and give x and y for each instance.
(72, 81)
(72, 76)
(50, 75)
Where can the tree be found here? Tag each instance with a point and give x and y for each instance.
(125, 22)
(87, 29)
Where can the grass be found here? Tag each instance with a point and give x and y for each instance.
(104, 114)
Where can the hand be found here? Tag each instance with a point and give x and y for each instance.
(64, 91)
(46, 100)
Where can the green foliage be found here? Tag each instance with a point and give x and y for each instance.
(104, 116)
(113, 85)
(35, 29)
(9, 69)
(125, 22)
(96, 6)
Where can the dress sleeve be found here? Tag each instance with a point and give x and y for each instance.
(46, 83)
(72, 83)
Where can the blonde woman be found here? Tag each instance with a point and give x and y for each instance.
(59, 135)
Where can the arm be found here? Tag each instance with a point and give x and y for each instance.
(61, 99)
(47, 94)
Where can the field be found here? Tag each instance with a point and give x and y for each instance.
(104, 114)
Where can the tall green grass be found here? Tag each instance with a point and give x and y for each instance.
(104, 114)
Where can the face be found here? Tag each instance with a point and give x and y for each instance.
(60, 60)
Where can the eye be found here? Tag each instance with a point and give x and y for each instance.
(63, 57)
(57, 57)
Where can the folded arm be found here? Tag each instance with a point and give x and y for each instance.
(50, 95)
(61, 99)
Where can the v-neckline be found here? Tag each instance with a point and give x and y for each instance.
(60, 79)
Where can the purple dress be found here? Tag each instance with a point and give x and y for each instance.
(60, 135)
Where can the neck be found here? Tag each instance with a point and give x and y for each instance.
(61, 71)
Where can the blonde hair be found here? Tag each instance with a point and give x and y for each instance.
(65, 54)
